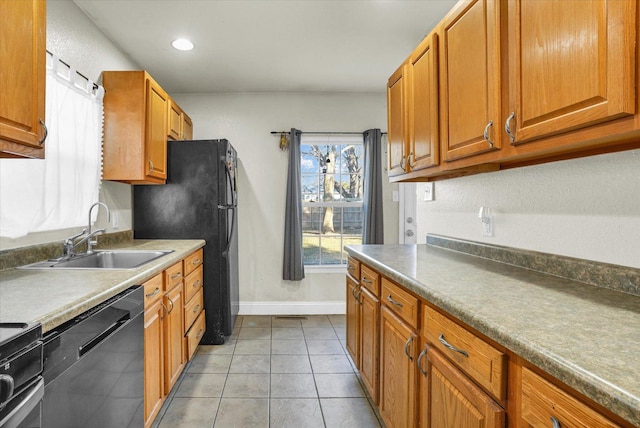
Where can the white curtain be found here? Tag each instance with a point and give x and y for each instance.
(56, 192)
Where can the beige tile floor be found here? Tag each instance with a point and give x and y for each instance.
(272, 372)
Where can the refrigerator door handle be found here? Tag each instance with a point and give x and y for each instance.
(233, 227)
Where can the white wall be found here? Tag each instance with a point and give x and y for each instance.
(78, 42)
(587, 208)
(246, 120)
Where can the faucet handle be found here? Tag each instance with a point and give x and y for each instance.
(70, 239)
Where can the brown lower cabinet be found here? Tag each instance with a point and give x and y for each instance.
(461, 379)
(397, 371)
(451, 399)
(169, 342)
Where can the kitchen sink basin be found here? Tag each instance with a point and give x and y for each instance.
(108, 259)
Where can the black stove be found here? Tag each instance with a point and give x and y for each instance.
(21, 384)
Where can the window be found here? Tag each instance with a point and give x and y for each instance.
(332, 172)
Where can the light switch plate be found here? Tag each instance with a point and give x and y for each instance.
(429, 191)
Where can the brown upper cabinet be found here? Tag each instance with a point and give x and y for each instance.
(179, 125)
(412, 94)
(470, 79)
(135, 132)
(519, 82)
(564, 73)
(22, 78)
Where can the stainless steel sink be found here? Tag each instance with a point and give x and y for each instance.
(108, 259)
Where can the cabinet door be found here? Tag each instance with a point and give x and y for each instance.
(424, 143)
(353, 321)
(470, 79)
(174, 121)
(155, 132)
(153, 361)
(452, 400)
(570, 73)
(396, 122)
(397, 372)
(174, 330)
(22, 78)
(187, 128)
(369, 341)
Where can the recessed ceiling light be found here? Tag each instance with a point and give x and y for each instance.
(182, 44)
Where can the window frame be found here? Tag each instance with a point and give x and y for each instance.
(341, 140)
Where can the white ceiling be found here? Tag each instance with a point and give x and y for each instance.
(268, 45)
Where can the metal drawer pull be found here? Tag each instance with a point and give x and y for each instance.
(406, 348)
(367, 281)
(196, 262)
(176, 276)
(153, 293)
(486, 133)
(351, 268)
(451, 347)
(555, 422)
(196, 309)
(200, 333)
(507, 126)
(420, 357)
(196, 284)
(353, 292)
(411, 165)
(151, 168)
(171, 302)
(357, 296)
(390, 299)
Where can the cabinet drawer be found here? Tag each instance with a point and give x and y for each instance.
(193, 283)
(482, 362)
(152, 290)
(192, 261)
(195, 334)
(400, 302)
(370, 279)
(542, 402)
(353, 268)
(172, 276)
(193, 308)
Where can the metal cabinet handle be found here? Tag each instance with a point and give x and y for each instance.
(196, 284)
(420, 357)
(357, 296)
(151, 168)
(406, 348)
(367, 281)
(411, 155)
(451, 347)
(170, 302)
(153, 293)
(196, 262)
(394, 302)
(351, 268)
(200, 333)
(555, 423)
(46, 132)
(176, 276)
(196, 309)
(353, 291)
(486, 133)
(166, 311)
(403, 164)
(507, 126)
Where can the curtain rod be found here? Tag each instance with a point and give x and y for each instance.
(322, 133)
(95, 85)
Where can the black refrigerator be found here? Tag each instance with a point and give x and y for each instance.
(199, 201)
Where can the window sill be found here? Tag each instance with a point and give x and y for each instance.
(325, 269)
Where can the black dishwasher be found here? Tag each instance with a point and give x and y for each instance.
(94, 367)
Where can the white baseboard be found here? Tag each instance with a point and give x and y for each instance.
(292, 308)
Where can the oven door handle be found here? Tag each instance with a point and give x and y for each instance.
(6, 389)
(27, 404)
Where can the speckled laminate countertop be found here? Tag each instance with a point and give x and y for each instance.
(52, 297)
(587, 337)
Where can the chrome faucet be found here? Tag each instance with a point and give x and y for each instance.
(70, 245)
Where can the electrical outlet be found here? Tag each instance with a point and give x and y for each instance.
(394, 196)
(487, 226)
(428, 191)
(115, 221)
